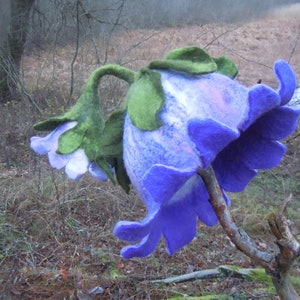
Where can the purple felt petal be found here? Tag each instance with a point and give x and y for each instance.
(206, 212)
(210, 137)
(236, 165)
(286, 79)
(178, 222)
(232, 173)
(226, 198)
(136, 231)
(77, 164)
(195, 195)
(57, 161)
(66, 126)
(43, 145)
(97, 172)
(144, 248)
(132, 231)
(256, 152)
(162, 182)
(40, 145)
(263, 154)
(261, 99)
(278, 123)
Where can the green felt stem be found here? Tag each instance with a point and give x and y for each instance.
(89, 114)
(112, 69)
(88, 103)
(91, 86)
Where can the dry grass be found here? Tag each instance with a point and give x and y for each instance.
(56, 235)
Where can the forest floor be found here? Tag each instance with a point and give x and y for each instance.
(56, 238)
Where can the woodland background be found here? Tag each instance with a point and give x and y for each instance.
(56, 238)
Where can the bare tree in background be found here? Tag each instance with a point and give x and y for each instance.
(36, 23)
(13, 37)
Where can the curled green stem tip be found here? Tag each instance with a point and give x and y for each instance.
(112, 69)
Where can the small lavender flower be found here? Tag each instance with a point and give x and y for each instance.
(206, 119)
(75, 163)
(81, 140)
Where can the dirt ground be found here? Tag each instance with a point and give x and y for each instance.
(56, 235)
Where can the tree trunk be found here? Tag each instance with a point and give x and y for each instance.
(12, 40)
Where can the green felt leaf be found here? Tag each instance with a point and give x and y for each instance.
(144, 100)
(91, 142)
(86, 107)
(105, 166)
(111, 141)
(86, 112)
(51, 123)
(193, 60)
(121, 174)
(194, 54)
(226, 66)
(70, 140)
(111, 147)
(117, 163)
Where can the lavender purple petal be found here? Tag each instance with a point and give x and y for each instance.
(278, 123)
(286, 80)
(97, 172)
(43, 145)
(75, 163)
(210, 137)
(144, 248)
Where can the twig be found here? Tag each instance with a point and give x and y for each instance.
(289, 251)
(110, 34)
(203, 274)
(76, 49)
(245, 58)
(217, 37)
(221, 271)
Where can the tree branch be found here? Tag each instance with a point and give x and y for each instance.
(289, 251)
(237, 235)
(278, 266)
(218, 272)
